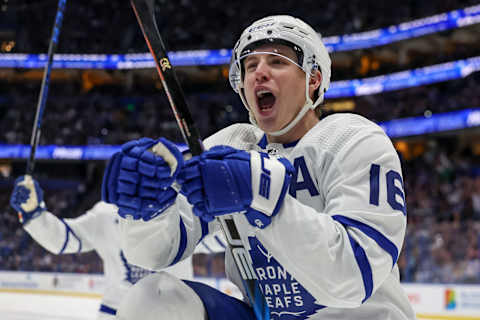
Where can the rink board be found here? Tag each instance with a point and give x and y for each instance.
(60, 296)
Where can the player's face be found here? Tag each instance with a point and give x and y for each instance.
(274, 87)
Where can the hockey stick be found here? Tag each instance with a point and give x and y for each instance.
(42, 98)
(144, 10)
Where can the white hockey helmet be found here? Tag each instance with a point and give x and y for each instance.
(307, 44)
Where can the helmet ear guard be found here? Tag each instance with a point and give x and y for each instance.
(306, 43)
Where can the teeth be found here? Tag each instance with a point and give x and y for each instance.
(262, 92)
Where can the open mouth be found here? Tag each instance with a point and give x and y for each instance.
(265, 100)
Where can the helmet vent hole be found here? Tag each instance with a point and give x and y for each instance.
(249, 37)
(269, 32)
(288, 26)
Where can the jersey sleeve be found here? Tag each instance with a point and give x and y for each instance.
(343, 250)
(59, 235)
(166, 239)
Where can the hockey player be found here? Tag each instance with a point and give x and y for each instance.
(319, 203)
(98, 230)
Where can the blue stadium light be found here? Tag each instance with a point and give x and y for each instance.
(441, 122)
(362, 40)
(398, 128)
(404, 79)
(55, 152)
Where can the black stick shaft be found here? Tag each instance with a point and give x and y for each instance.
(42, 98)
(167, 75)
(144, 10)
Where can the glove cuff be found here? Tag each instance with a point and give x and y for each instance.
(257, 218)
(25, 218)
(270, 181)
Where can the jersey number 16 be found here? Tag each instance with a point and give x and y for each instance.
(393, 190)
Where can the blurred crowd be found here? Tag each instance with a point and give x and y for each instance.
(419, 101)
(442, 244)
(101, 26)
(108, 116)
(113, 116)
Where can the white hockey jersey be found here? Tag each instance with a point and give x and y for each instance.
(331, 251)
(97, 230)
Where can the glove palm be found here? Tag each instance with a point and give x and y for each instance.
(27, 199)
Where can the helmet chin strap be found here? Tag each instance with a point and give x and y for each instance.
(292, 123)
(309, 105)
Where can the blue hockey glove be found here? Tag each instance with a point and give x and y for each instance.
(225, 180)
(139, 178)
(27, 199)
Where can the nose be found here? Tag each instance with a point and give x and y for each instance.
(262, 71)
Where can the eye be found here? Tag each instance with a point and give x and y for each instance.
(250, 66)
(278, 61)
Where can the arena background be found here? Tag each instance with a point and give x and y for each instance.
(410, 66)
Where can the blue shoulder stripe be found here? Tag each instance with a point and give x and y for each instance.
(183, 242)
(69, 230)
(379, 238)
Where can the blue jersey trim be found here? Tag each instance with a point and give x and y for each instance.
(220, 242)
(364, 266)
(217, 239)
(67, 235)
(207, 247)
(183, 243)
(204, 226)
(264, 142)
(379, 238)
(69, 230)
(106, 309)
(128, 273)
(133, 273)
(285, 188)
(290, 144)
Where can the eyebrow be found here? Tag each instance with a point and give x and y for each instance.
(275, 53)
